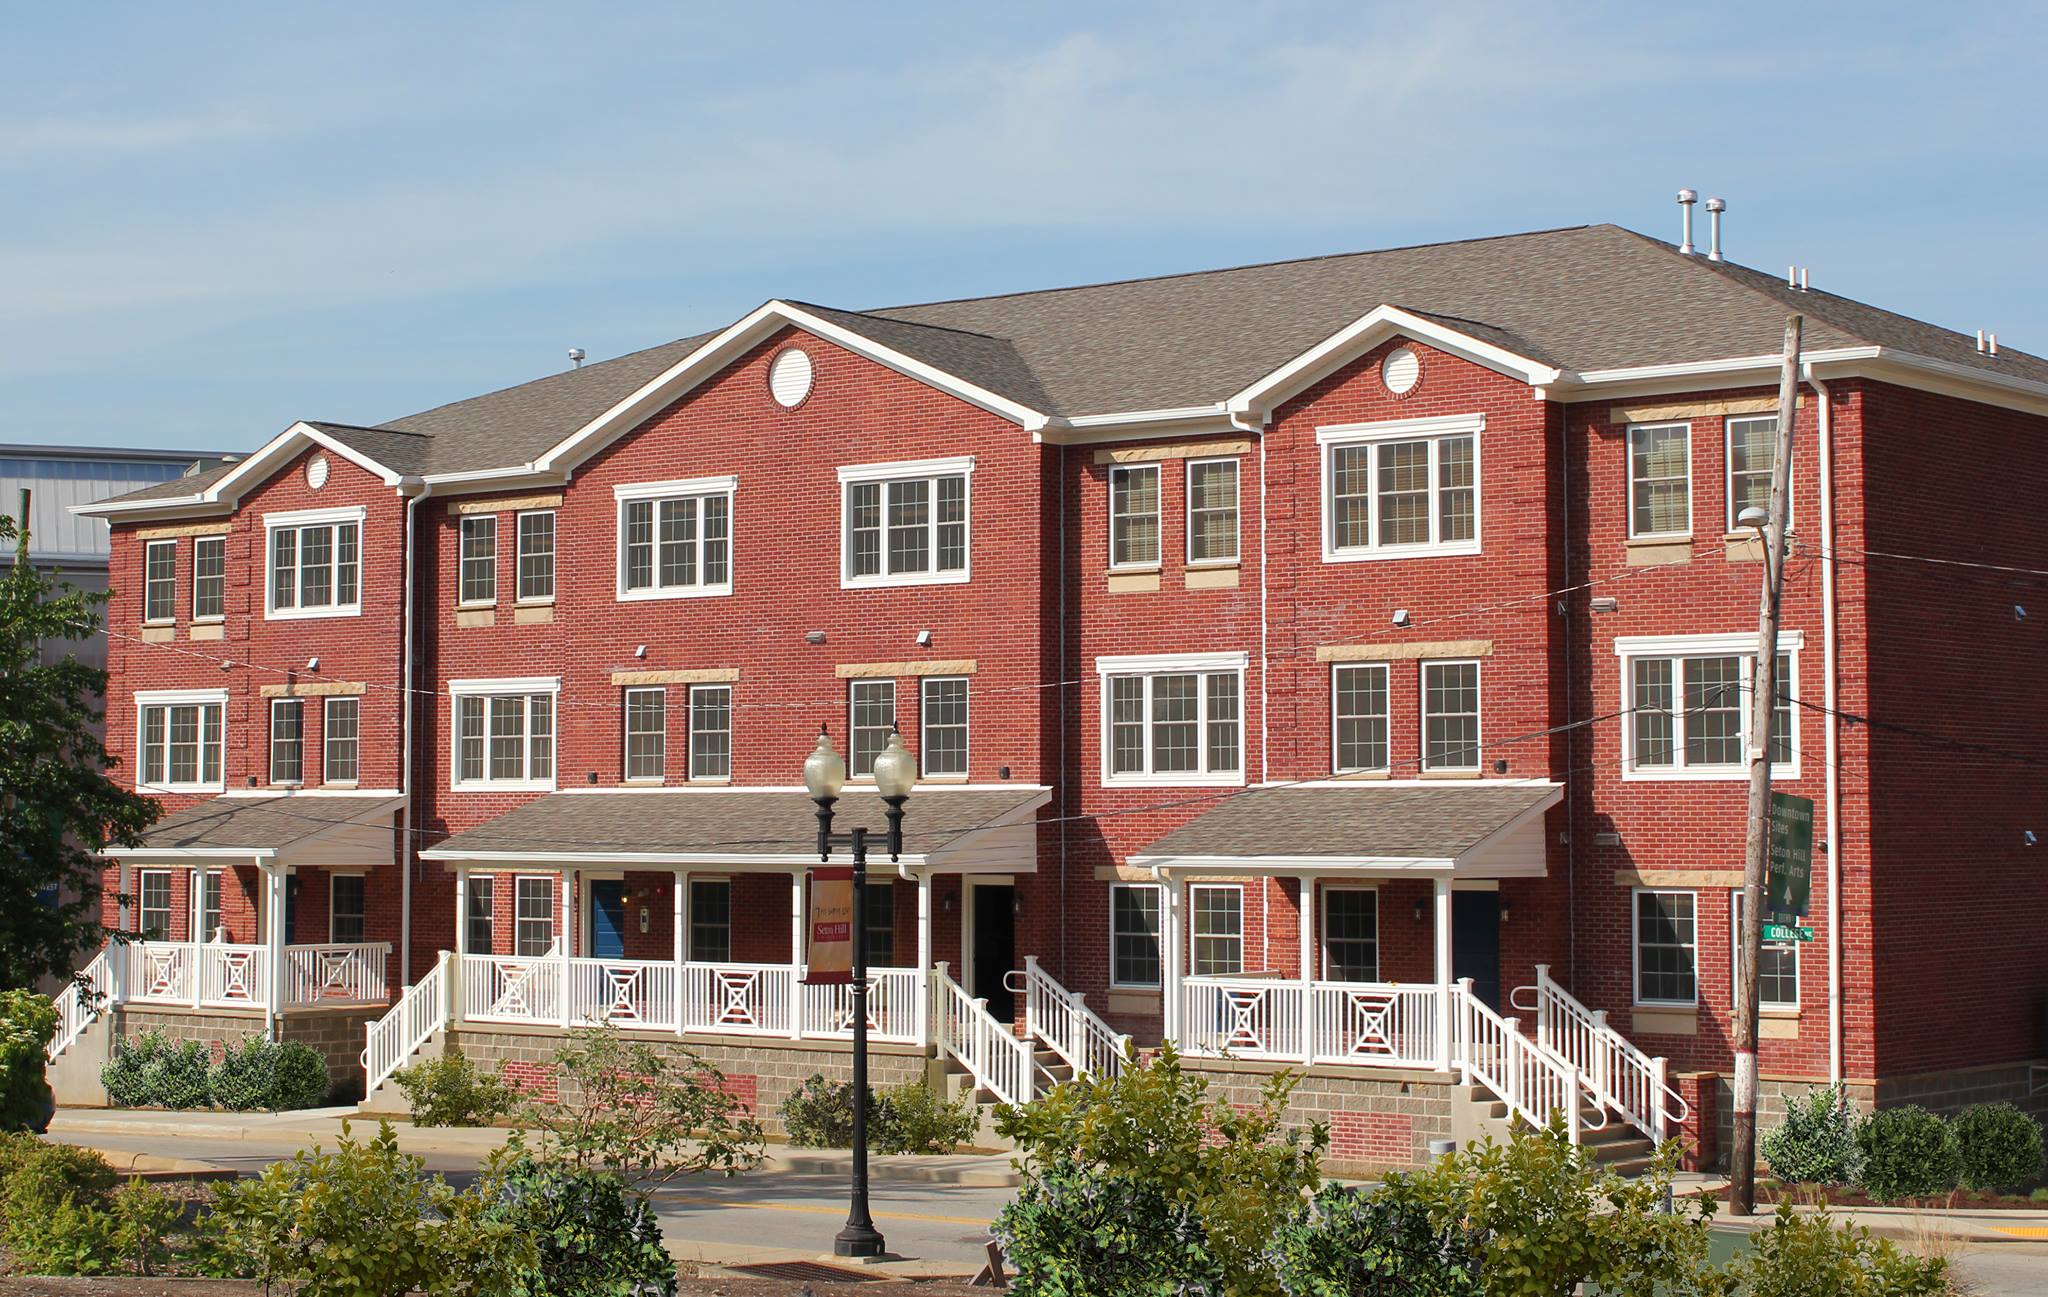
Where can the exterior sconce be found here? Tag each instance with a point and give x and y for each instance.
(1421, 911)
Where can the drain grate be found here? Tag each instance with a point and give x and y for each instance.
(805, 1270)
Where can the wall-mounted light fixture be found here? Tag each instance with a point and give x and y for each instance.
(814, 637)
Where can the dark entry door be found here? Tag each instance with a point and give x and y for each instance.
(291, 909)
(607, 918)
(995, 948)
(1475, 943)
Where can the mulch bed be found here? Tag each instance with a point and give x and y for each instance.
(1843, 1196)
(26, 1287)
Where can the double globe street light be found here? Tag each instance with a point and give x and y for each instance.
(895, 773)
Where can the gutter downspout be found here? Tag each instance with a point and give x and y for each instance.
(1832, 728)
(407, 704)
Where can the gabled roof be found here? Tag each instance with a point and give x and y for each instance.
(1361, 824)
(264, 826)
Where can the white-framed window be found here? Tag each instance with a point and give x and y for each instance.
(1134, 516)
(1777, 969)
(209, 904)
(315, 566)
(1217, 913)
(505, 733)
(347, 913)
(1172, 719)
(942, 714)
(878, 922)
(711, 732)
(675, 538)
(1401, 487)
(1666, 947)
(1135, 951)
(1450, 715)
(1752, 454)
(287, 740)
(341, 740)
(646, 734)
(710, 920)
(871, 716)
(1659, 480)
(160, 581)
(906, 523)
(478, 534)
(153, 904)
(1359, 717)
(536, 556)
(209, 577)
(533, 914)
(1685, 702)
(1212, 512)
(180, 740)
(482, 908)
(1351, 934)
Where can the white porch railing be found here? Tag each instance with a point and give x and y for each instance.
(340, 973)
(511, 988)
(76, 1011)
(995, 1056)
(744, 999)
(1533, 1081)
(419, 1013)
(157, 971)
(1386, 1024)
(892, 1006)
(1622, 1076)
(234, 976)
(238, 976)
(1064, 1021)
(627, 992)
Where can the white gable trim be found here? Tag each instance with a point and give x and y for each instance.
(227, 491)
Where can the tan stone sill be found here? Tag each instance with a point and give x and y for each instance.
(1133, 582)
(1660, 550)
(1137, 1002)
(210, 630)
(1666, 1022)
(159, 632)
(1219, 577)
(1678, 878)
(1349, 776)
(1770, 1028)
(338, 783)
(1450, 774)
(476, 617)
(533, 614)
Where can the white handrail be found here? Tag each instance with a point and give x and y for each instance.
(998, 1060)
(75, 1012)
(1064, 1021)
(419, 1013)
(1621, 1075)
(1533, 1081)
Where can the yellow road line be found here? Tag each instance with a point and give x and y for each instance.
(2023, 1231)
(820, 1211)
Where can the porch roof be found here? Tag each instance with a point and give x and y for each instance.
(1479, 829)
(963, 830)
(288, 828)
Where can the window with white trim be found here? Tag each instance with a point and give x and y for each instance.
(1667, 947)
(341, 740)
(181, 741)
(1217, 910)
(710, 731)
(878, 923)
(1752, 454)
(505, 734)
(209, 577)
(710, 920)
(1777, 969)
(1134, 516)
(675, 538)
(1135, 952)
(1686, 703)
(942, 713)
(646, 734)
(160, 580)
(1659, 480)
(287, 740)
(209, 905)
(1358, 694)
(1170, 720)
(536, 556)
(533, 915)
(1212, 511)
(905, 524)
(871, 708)
(153, 907)
(347, 921)
(479, 538)
(1351, 934)
(315, 563)
(1450, 715)
(1408, 486)
(482, 904)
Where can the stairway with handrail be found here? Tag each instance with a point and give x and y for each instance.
(1625, 1079)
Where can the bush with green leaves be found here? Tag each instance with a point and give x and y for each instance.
(452, 1091)
(594, 1237)
(1075, 1230)
(625, 1107)
(914, 1118)
(1908, 1152)
(1999, 1147)
(53, 1200)
(1811, 1256)
(1355, 1243)
(28, 1023)
(819, 1113)
(151, 1070)
(301, 1078)
(1817, 1142)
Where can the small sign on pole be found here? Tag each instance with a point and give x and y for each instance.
(1788, 880)
(1786, 932)
(830, 957)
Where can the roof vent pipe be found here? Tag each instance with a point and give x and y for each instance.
(1980, 342)
(1715, 206)
(1802, 279)
(1686, 198)
(1992, 339)
(576, 355)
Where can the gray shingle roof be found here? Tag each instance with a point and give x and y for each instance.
(1362, 820)
(254, 823)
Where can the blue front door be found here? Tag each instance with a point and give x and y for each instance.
(607, 918)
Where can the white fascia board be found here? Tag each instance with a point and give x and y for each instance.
(188, 853)
(506, 685)
(1886, 364)
(1256, 864)
(767, 861)
(228, 489)
(1735, 642)
(1555, 796)
(1169, 663)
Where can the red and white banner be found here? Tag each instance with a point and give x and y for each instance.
(831, 949)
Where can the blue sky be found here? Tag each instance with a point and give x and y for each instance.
(221, 218)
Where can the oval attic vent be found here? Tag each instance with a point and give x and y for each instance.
(789, 378)
(1400, 371)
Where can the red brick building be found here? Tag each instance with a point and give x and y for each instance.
(1337, 663)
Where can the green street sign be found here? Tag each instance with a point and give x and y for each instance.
(1786, 932)
(1788, 881)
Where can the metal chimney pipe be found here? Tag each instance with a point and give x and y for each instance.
(1715, 206)
(1993, 340)
(1686, 198)
(1980, 342)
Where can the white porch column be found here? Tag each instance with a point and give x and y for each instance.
(678, 918)
(1308, 968)
(1444, 1020)
(924, 957)
(796, 953)
(462, 912)
(195, 910)
(1170, 1010)
(567, 926)
(273, 942)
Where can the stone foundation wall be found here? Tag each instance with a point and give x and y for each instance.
(337, 1035)
(1377, 1120)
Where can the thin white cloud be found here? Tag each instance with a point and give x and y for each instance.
(78, 138)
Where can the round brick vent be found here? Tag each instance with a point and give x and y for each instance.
(1401, 371)
(316, 472)
(789, 378)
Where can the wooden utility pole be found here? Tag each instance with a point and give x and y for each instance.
(1762, 703)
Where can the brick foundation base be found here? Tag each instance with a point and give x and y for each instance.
(337, 1035)
(1377, 1121)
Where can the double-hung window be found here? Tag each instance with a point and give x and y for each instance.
(905, 523)
(1218, 913)
(479, 533)
(181, 744)
(1667, 947)
(533, 915)
(159, 580)
(1752, 454)
(1402, 487)
(675, 538)
(1777, 969)
(879, 923)
(482, 906)
(287, 740)
(1450, 716)
(1686, 702)
(1134, 948)
(1659, 480)
(710, 731)
(209, 905)
(537, 556)
(871, 708)
(710, 920)
(1173, 719)
(1359, 712)
(153, 911)
(1212, 511)
(1134, 516)
(646, 734)
(209, 577)
(315, 563)
(346, 921)
(1351, 934)
(942, 712)
(341, 740)
(505, 733)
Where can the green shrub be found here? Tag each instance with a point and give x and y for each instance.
(121, 1074)
(594, 1237)
(53, 1200)
(452, 1091)
(65, 1240)
(246, 1075)
(2000, 1147)
(630, 1109)
(1354, 1242)
(301, 1078)
(1817, 1143)
(1072, 1230)
(1811, 1256)
(819, 1113)
(27, 1025)
(143, 1217)
(36, 1175)
(912, 1118)
(1908, 1152)
(151, 1070)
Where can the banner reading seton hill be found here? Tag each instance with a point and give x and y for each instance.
(831, 948)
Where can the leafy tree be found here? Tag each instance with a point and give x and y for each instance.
(27, 1023)
(57, 802)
